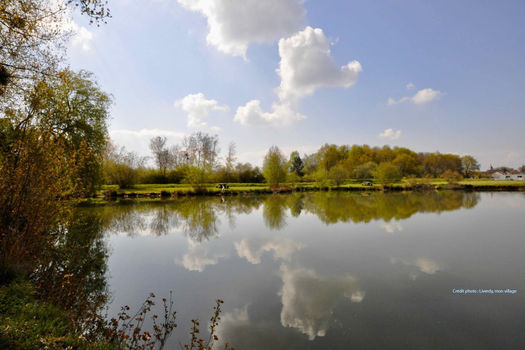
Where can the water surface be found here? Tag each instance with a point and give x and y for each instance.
(329, 270)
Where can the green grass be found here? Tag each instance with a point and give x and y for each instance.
(350, 184)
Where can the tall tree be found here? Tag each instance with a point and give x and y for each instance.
(72, 106)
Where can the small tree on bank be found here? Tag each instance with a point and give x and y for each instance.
(337, 174)
(274, 167)
(469, 164)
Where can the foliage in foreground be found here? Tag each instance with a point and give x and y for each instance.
(27, 322)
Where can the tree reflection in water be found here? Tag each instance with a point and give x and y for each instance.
(199, 217)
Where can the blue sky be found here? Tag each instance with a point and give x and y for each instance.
(428, 75)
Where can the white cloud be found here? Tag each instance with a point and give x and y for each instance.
(253, 249)
(233, 25)
(81, 37)
(410, 86)
(306, 65)
(426, 95)
(198, 108)
(252, 114)
(421, 97)
(390, 134)
(308, 299)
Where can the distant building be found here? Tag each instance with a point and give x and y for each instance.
(498, 175)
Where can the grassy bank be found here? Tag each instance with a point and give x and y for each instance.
(168, 190)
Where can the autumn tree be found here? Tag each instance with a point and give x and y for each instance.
(274, 167)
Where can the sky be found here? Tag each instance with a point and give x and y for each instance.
(444, 75)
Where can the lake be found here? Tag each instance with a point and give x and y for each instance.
(328, 270)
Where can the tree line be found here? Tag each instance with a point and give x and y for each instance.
(197, 161)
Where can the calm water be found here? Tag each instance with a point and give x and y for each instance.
(329, 270)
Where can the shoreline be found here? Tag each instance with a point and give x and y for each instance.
(112, 195)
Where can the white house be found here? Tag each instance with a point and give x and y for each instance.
(501, 176)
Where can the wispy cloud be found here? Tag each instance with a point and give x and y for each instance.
(421, 97)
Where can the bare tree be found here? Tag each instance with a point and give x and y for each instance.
(177, 156)
(161, 153)
(231, 158)
(201, 149)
